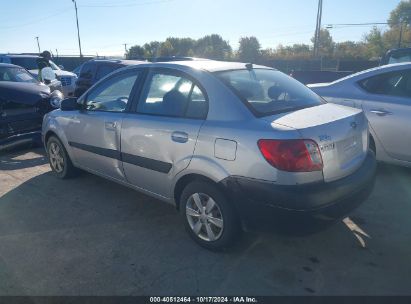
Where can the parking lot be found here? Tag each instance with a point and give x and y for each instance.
(89, 236)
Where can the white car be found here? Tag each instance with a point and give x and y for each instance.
(29, 62)
(384, 93)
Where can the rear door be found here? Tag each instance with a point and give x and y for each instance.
(388, 109)
(158, 140)
(94, 133)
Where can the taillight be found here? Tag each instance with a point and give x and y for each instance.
(301, 155)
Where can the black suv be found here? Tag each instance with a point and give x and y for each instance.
(94, 70)
(397, 56)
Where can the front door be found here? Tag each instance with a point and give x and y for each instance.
(158, 140)
(94, 133)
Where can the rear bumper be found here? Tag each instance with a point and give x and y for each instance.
(257, 200)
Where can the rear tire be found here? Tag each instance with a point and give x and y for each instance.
(208, 217)
(59, 160)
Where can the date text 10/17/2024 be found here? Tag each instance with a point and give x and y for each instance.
(203, 300)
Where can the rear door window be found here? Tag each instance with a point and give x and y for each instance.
(174, 96)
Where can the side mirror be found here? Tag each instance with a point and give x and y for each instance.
(70, 104)
(61, 67)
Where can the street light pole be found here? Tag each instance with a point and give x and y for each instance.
(78, 30)
(38, 43)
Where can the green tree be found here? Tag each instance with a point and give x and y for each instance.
(401, 14)
(375, 43)
(152, 49)
(213, 47)
(249, 50)
(135, 52)
(166, 49)
(350, 50)
(326, 44)
(182, 46)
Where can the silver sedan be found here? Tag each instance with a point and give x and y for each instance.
(384, 93)
(228, 144)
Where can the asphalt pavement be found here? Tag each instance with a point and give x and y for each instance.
(90, 236)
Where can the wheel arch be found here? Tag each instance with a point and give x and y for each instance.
(49, 134)
(183, 181)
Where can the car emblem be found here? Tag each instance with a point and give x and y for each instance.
(354, 125)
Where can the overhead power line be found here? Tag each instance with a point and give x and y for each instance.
(57, 13)
(355, 24)
(125, 4)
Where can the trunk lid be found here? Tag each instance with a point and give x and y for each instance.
(340, 132)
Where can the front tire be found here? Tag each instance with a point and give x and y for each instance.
(59, 160)
(208, 217)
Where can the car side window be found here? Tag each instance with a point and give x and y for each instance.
(86, 71)
(392, 84)
(113, 94)
(105, 70)
(173, 96)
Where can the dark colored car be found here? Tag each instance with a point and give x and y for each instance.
(397, 56)
(23, 102)
(29, 62)
(94, 70)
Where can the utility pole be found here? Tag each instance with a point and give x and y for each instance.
(78, 30)
(318, 28)
(125, 49)
(401, 32)
(38, 43)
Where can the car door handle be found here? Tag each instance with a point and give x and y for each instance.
(109, 125)
(180, 137)
(381, 112)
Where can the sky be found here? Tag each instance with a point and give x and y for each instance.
(105, 25)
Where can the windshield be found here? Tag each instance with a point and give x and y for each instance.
(30, 63)
(16, 75)
(269, 91)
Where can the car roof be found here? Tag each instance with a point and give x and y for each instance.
(9, 65)
(375, 71)
(206, 65)
(20, 55)
(117, 61)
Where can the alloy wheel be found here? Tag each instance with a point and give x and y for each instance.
(56, 157)
(204, 217)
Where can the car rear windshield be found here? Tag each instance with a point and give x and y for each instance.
(268, 92)
(16, 75)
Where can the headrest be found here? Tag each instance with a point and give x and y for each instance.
(174, 103)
